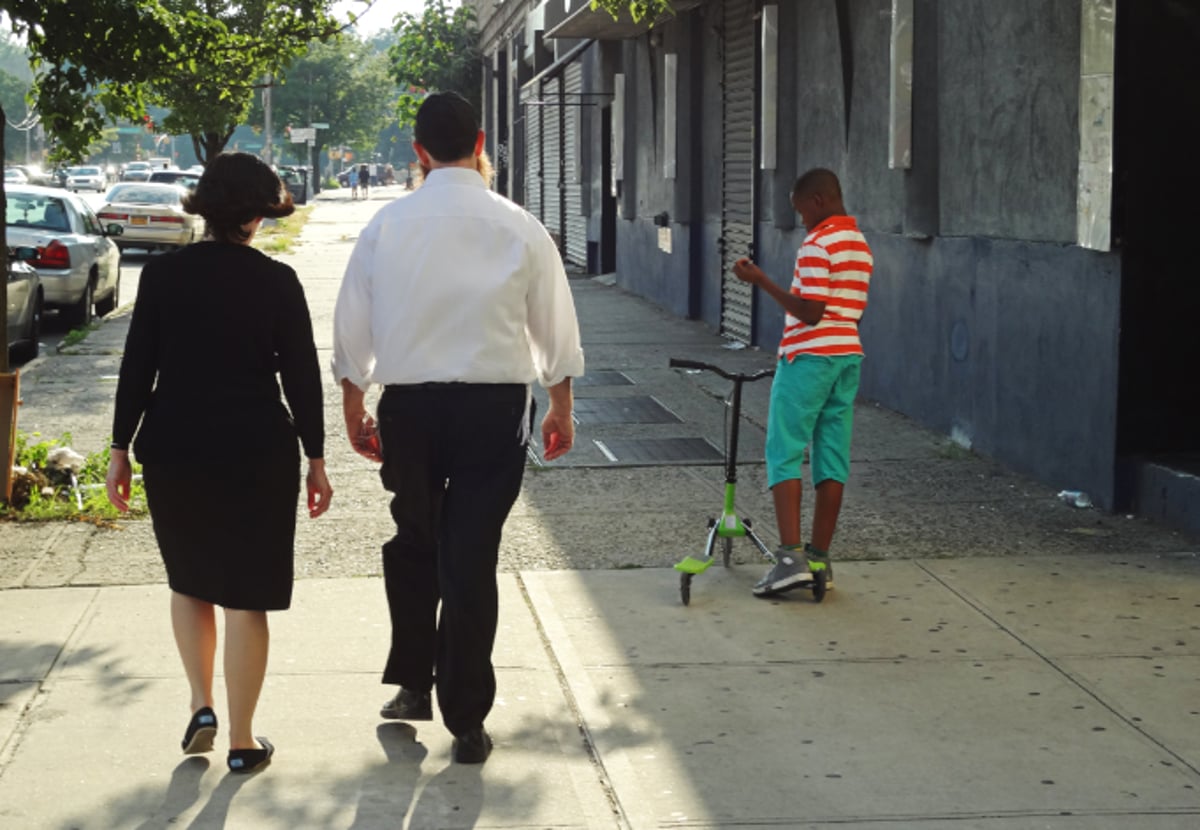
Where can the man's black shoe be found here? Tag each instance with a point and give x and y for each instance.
(472, 747)
(408, 705)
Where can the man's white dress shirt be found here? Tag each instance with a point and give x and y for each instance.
(455, 283)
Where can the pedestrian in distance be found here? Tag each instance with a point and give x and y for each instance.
(364, 179)
(455, 300)
(200, 391)
(816, 378)
(353, 177)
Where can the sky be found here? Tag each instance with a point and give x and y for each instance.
(381, 13)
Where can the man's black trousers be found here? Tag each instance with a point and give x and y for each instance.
(453, 458)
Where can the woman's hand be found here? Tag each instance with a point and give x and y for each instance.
(319, 489)
(119, 479)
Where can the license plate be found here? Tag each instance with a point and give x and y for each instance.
(138, 220)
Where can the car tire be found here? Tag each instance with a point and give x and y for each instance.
(80, 314)
(110, 303)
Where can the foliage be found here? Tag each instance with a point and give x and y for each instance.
(438, 51)
(637, 8)
(76, 336)
(259, 37)
(342, 83)
(88, 502)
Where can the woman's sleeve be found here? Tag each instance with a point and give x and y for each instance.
(298, 367)
(139, 362)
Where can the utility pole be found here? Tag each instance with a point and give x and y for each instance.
(267, 120)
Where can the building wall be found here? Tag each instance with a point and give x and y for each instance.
(986, 320)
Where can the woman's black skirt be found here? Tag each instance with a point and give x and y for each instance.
(226, 532)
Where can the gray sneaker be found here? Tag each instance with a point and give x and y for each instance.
(790, 571)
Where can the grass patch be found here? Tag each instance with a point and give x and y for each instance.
(44, 491)
(278, 237)
(76, 336)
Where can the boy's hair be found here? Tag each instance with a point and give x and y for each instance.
(818, 180)
(446, 126)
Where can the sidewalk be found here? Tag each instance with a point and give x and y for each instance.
(991, 658)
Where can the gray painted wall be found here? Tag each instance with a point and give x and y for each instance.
(985, 320)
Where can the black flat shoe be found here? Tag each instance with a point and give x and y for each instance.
(408, 705)
(251, 760)
(471, 747)
(201, 730)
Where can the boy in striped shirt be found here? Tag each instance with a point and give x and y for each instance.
(816, 380)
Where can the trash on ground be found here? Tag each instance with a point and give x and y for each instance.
(1075, 498)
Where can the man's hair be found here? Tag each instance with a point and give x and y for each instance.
(817, 180)
(446, 127)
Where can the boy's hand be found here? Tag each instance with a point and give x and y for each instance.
(746, 271)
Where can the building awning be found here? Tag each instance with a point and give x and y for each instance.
(600, 25)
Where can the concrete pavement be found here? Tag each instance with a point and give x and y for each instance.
(991, 658)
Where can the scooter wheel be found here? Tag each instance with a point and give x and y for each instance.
(820, 578)
(726, 550)
(685, 588)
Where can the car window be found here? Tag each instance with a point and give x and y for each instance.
(88, 171)
(91, 223)
(135, 195)
(46, 213)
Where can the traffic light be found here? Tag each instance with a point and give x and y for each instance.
(148, 123)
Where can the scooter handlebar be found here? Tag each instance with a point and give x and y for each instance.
(684, 363)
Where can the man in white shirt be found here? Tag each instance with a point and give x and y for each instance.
(455, 299)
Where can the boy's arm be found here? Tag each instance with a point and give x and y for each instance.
(807, 311)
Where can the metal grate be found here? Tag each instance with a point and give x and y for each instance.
(633, 410)
(659, 450)
(737, 179)
(604, 377)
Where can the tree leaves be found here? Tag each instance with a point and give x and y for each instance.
(437, 51)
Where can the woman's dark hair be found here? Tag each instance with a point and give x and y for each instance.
(236, 189)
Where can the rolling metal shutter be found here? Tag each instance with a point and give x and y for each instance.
(532, 113)
(552, 157)
(575, 244)
(737, 179)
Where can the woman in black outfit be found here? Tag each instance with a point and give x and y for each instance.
(213, 326)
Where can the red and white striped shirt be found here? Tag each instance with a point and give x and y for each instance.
(833, 267)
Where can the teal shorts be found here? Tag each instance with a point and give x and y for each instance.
(812, 402)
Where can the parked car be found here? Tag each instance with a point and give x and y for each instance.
(137, 171)
(12, 175)
(25, 305)
(86, 178)
(78, 262)
(34, 174)
(151, 216)
(180, 177)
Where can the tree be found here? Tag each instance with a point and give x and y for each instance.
(261, 36)
(637, 9)
(438, 51)
(342, 83)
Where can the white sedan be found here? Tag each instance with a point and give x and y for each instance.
(151, 215)
(79, 265)
(86, 178)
